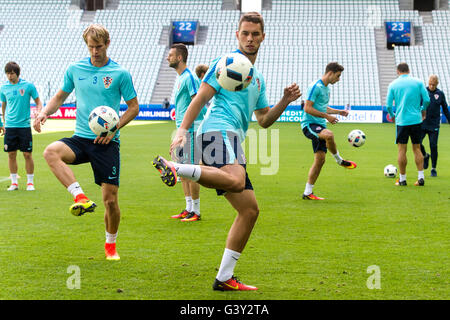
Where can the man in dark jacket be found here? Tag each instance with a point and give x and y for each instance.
(432, 122)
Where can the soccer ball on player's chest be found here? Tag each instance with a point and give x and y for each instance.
(234, 72)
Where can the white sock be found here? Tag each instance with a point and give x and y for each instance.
(188, 171)
(111, 238)
(14, 178)
(75, 189)
(421, 175)
(196, 206)
(337, 157)
(30, 178)
(227, 265)
(308, 189)
(402, 177)
(188, 204)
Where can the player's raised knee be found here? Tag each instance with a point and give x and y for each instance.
(49, 153)
(237, 186)
(328, 135)
(52, 152)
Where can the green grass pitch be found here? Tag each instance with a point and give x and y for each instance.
(298, 250)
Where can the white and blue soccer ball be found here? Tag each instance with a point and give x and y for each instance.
(356, 138)
(103, 121)
(234, 72)
(390, 171)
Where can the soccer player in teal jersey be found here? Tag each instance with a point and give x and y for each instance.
(15, 95)
(411, 101)
(220, 134)
(97, 81)
(186, 87)
(314, 126)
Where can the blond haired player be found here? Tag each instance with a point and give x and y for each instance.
(97, 81)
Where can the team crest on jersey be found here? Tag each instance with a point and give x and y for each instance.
(22, 92)
(107, 81)
(436, 96)
(259, 84)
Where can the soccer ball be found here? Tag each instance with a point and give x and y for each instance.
(356, 138)
(390, 171)
(103, 121)
(234, 72)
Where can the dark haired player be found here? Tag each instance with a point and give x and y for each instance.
(15, 96)
(97, 81)
(314, 125)
(223, 130)
(411, 100)
(186, 87)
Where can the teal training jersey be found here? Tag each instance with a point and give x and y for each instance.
(319, 94)
(232, 111)
(187, 85)
(95, 87)
(410, 97)
(17, 97)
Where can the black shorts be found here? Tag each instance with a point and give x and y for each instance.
(104, 158)
(18, 139)
(220, 148)
(311, 131)
(404, 132)
(190, 153)
(433, 135)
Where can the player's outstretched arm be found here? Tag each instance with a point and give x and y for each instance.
(267, 116)
(51, 107)
(130, 114)
(337, 111)
(316, 113)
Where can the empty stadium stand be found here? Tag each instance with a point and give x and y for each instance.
(44, 37)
